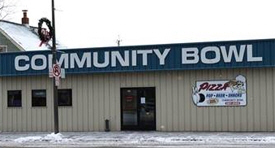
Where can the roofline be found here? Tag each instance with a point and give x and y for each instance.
(9, 38)
(152, 45)
(16, 23)
(172, 44)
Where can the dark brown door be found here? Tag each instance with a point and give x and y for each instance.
(138, 108)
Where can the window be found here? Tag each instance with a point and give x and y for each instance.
(14, 98)
(64, 97)
(38, 98)
(3, 48)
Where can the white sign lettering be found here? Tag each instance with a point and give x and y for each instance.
(117, 56)
(227, 56)
(188, 53)
(103, 64)
(17, 61)
(86, 57)
(214, 60)
(192, 55)
(127, 58)
(43, 61)
(162, 56)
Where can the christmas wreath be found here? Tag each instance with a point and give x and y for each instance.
(43, 33)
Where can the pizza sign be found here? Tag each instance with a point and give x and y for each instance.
(220, 93)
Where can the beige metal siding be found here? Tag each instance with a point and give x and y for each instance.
(96, 97)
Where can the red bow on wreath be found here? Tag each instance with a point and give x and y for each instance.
(44, 35)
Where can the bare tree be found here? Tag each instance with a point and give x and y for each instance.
(6, 8)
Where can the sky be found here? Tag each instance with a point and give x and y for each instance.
(100, 23)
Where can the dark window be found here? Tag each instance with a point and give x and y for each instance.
(14, 98)
(38, 98)
(64, 97)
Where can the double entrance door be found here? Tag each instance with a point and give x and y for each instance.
(138, 108)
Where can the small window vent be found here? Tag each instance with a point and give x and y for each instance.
(3, 48)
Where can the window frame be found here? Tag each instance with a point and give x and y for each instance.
(70, 98)
(3, 48)
(8, 98)
(44, 90)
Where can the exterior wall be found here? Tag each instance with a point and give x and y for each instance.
(8, 43)
(96, 97)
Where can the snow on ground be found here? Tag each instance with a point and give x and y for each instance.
(79, 139)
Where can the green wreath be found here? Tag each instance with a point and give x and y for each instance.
(45, 35)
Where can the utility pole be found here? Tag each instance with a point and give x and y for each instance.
(55, 95)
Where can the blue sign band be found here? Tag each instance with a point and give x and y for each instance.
(188, 56)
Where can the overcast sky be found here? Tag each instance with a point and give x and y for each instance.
(98, 23)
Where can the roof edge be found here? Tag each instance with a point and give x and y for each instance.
(10, 38)
(16, 23)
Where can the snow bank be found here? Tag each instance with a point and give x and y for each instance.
(118, 139)
(29, 139)
(52, 138)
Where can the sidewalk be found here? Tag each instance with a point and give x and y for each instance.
(136, 139)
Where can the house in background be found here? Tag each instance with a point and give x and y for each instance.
(21, 37)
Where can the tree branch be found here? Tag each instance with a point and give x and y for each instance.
(5, 9)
